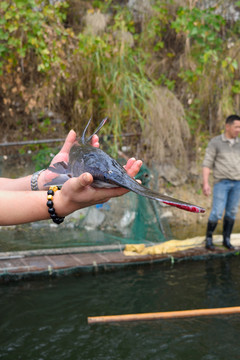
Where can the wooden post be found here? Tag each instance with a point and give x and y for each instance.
(163, 315)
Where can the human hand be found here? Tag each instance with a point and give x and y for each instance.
(63, 155)
(206, 189)
(78, 193)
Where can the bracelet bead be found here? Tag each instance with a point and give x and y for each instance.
(51, 211)
(57, 219)
(50, 203)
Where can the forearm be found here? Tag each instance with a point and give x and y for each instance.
(20, 184)
(205, 174)
(23, 183)
(206, 186)
(18, 207)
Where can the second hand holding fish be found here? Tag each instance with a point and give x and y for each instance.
(106, 173)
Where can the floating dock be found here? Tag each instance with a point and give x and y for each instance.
(20, 265)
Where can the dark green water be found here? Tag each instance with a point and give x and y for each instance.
(48, 319)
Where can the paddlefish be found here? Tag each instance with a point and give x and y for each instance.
(106, 172)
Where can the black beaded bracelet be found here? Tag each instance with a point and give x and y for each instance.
(57, 219)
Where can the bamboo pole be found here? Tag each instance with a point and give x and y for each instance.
(163, 315)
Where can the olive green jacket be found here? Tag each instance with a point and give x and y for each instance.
(223, 157)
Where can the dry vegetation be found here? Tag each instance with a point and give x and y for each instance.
(153, 68)
(166, 131)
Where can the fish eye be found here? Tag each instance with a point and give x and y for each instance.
(110, 171)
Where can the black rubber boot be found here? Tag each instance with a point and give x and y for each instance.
(227, 230)
(211, 226)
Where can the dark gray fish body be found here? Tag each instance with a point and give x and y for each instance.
(107, 172)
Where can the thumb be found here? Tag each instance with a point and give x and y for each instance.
(82, 181)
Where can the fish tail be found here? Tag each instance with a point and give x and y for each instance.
(83, 139)
(97, 130)
(60, 167)
(84, 131)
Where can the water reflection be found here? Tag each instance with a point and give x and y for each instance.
(220, 284)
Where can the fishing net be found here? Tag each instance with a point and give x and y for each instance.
(129, 219)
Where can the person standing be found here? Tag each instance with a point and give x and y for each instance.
(223, 158)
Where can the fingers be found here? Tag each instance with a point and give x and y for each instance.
(206, 190)
(70, 139)
(95, 141)
(207, 193)
(133, 166)
(104, 194)
(129, 163)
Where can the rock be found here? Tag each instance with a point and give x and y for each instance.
(166, 214)
(127, 219)
(171, 174)
(94, 218)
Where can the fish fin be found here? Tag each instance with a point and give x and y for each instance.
(58, 181)
(63, 170)
(101, 184)
(59, 168)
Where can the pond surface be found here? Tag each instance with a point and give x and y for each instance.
(48, 319)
